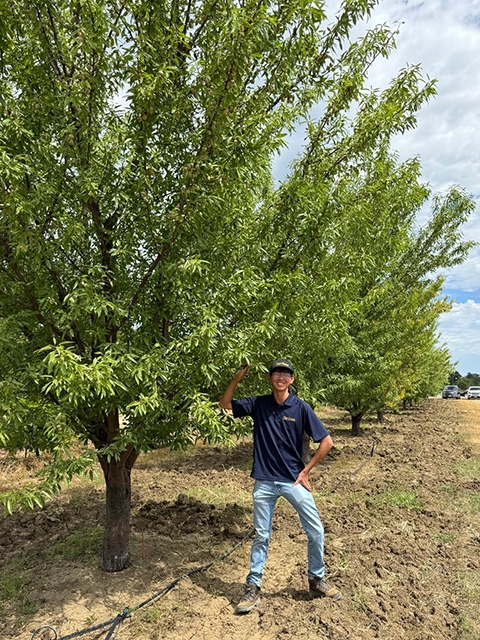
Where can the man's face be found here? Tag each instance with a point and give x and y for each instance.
(280, 379)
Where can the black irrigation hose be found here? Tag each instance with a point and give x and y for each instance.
(354, 473)
(114, 623)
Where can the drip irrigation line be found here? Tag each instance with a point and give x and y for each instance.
(77, 634)
(354, 473)
(114, 623)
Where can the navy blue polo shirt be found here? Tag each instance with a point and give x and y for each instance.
(277, 434)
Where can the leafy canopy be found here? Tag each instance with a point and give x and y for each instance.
(145, 250)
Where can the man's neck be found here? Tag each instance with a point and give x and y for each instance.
(280, 396)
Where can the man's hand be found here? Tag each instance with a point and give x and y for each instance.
(225, 401)
(323, 448)
(303, 480)
(242, 372)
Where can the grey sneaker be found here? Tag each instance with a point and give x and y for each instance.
(250, 599)
(320, 587)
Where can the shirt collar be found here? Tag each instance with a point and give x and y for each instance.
(288, 402)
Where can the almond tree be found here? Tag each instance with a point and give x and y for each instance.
(136, 143)
(361, 313)
(145, 252)
(391, 343)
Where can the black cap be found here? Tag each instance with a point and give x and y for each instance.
(281, 363)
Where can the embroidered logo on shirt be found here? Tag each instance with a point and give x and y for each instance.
(289, 419)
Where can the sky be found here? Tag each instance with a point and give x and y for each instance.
(443, 36)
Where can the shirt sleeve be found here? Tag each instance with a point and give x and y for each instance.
(243, 407)
(313, 425)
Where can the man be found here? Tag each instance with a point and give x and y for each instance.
(279, 420)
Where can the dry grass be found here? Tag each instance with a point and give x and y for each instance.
(17, 471)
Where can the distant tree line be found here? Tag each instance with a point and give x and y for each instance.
(463, 382)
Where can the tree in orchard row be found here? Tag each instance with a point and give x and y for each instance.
(391, 332)
(423, 369)
(369, 310)
(387, 348)
(136, 145)
(396, 325)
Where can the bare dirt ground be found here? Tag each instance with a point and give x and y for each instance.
(402, 542)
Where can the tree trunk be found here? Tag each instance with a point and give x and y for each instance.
(306, 455)
(117, 473)
(380, 417)
(356, 419)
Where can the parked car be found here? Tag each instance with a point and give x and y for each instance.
(452, 391)
(473, 392)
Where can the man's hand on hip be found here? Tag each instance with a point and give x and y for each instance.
(303, 480)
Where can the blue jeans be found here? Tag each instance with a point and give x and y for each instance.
(265, 496)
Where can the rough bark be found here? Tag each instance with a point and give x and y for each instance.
(306, 455)
(356, 419)
(117, 473)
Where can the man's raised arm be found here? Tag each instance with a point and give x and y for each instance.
(225, 401)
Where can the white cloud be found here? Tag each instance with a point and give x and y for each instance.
(444, 37)
(460, 328)
(465, 277)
